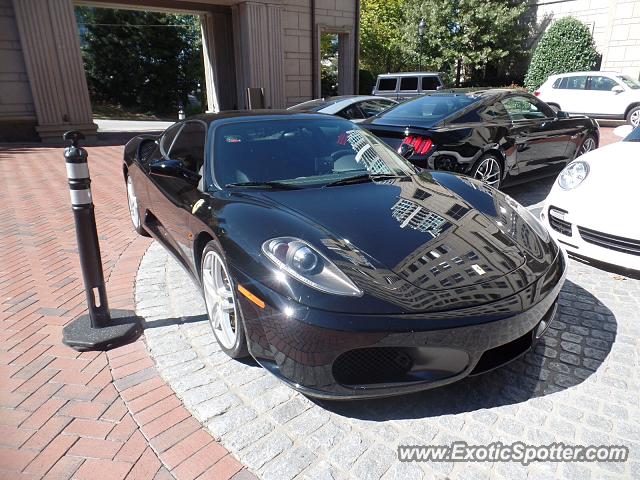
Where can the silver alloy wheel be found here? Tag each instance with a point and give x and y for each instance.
(133, 203)
(488, 171)
(634, 119)
(219, 299)
(588, 145)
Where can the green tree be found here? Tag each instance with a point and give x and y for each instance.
(462, 34)
(144, 61)
(567, 46)
(381, 39)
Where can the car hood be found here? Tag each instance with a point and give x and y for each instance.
(437, 231)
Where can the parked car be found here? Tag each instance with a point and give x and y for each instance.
(499, 136)
(589, 209)
(400, 86)
(333, 262)
(604, 95)
(352, 107)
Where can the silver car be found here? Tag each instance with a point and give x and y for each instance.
(400, 86)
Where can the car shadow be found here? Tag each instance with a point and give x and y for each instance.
(573, 348)
(532, 192)
(607, 267)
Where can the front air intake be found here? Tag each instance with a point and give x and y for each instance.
(371, 365)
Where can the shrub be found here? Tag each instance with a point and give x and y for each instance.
(566, 47)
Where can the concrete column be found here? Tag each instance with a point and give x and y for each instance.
(219, 61)
(259, 51)
(345, 64)
(208, 52)
(51, 49)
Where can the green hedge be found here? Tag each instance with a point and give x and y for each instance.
(567, 46)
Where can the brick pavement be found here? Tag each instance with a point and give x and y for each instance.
(66, 414)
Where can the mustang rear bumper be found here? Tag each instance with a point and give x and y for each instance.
(345, 356)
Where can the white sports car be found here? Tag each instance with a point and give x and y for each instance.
(352, 107)
(592, 208)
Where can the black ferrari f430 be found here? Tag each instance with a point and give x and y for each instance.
(499, 136)
(335, 263)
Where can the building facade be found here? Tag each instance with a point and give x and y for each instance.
(615, 25)
(271, 44)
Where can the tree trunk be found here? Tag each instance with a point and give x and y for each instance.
(458, 68)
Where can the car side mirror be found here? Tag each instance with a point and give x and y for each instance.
(617, 89)
(174, 169)
(406, 150)
(560, 114)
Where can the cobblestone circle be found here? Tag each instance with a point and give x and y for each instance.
(580, 386)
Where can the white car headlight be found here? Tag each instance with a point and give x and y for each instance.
(573, 175)
(304, 263)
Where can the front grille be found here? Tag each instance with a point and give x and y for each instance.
(371, 365)
(611, 242)
(558, 225)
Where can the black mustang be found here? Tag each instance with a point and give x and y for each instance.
(335, 263)
(499, 136)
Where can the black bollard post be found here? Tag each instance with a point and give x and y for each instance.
(100, 329)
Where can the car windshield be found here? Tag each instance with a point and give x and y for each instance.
(634, 136)
(430, 109)
(629, 82)
(299, 153)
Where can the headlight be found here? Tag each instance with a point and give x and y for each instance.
(308, 266)
(573, 175)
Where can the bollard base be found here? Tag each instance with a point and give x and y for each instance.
(125, 327)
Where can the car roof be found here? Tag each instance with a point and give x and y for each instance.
(570, 74)
(229, 116)
(406, 74)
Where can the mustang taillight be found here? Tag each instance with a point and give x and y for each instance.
(537, 93)
(421, 145)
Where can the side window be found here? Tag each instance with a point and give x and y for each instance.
(387, 84)
(372, 107)
(188, 146)
(430, 83)
(351, 112)
(409, 83)
(602, 83)
(168, 137)
(557, 82)
(493, 112)
(576, 83)
(521, 108)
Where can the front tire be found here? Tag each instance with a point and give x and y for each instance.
(588, 144)
(222, 307)
(633, 117)
(134, 208)
(489, 170)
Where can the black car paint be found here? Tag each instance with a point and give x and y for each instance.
(529, 149)
(368, 231)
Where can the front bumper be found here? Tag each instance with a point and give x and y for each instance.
(344, 356)
(574, 234)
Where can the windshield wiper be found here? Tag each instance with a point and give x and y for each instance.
(368, 177)
(274, 185)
